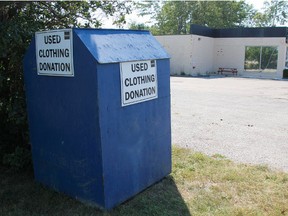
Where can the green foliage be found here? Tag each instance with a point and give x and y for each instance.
(135, 26)
(269, 58)
(252, 58)
(19, 159)
(18, 22)
(221, 14)
(175, 17)
(151, 8)
(275, 12)
(257, 58)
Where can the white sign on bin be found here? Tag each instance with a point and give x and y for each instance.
(54, 53)
(138, 82)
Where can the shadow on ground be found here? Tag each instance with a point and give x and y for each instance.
(205, 76)
(20, 195)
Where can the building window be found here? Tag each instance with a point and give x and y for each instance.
(261, 58)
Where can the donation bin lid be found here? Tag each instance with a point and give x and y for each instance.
(118, 45)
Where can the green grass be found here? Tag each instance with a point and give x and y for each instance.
(198, 185)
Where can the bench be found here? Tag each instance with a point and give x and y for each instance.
(229, 70)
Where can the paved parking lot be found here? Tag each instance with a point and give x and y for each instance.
(245, 120)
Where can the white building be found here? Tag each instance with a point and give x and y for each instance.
(255, 52)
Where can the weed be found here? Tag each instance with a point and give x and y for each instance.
(183, 73)
(198, 185)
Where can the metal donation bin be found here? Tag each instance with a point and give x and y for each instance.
(99, 112)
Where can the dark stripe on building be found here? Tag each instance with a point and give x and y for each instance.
(239, 32)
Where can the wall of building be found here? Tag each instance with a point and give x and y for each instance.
(190, 54)
(199, 55)
(230, 52)
(202, 55)
(180, 49)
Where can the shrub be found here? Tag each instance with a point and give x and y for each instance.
(19, 159)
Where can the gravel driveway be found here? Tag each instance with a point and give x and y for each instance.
(245, 120)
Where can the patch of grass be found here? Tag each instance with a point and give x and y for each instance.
(218, 186)
(218, 156)
(198, 185)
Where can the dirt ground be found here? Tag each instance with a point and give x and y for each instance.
(245, 120)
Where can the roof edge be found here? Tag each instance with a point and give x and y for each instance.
(239, 32)
(114, 46)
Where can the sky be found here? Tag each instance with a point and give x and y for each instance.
(258, 4)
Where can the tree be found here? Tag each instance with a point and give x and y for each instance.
(260, 20)
(175, 17)
(138, 26)
(275, 13)
(149, 8)
(227, 14)
(18, 22)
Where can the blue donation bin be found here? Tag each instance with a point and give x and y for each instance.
(99, 112)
